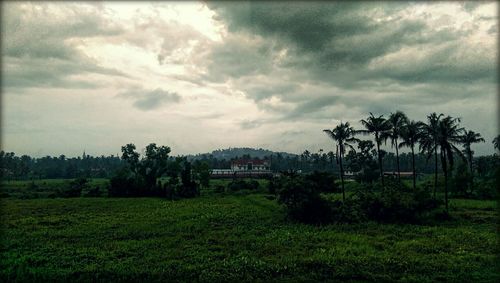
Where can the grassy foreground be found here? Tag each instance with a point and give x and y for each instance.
(234, 237)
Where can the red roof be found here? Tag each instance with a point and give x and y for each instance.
(246, 161)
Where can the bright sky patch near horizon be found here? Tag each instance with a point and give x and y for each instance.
(200, 76)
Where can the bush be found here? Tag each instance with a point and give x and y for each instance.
(275, 184)
(93, 192)
(187, 190)
(323, 182)
(303, 201)
(238, 185)
(74, 190)
(219, 188)
(394, 204)
(486, 189)
(124, 184)
(346, 212)
(460, 181)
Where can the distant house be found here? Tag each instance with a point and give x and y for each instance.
(243, 168)
(250, 165)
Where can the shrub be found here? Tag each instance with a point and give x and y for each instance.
(74, 190)
(219, 188)
(486, 189)
(125, 184)
(93, 192)
(303, 202)
(323, 182)
(274, 185)
(460, 181)
(188, 190)
(238, 185)
(395, 204)
(346, 212)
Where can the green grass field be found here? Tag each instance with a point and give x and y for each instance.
(43, 188)
(229, 237)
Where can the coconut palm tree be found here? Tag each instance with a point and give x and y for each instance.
(496, 142)
(343, 134)
(429, 142)
(468, 139)
(396, 121)
(448, 134)
(411, 133)
(378, 126)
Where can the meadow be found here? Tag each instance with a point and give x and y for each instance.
(235, 236)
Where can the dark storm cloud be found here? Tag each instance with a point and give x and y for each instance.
(330, 32)
(330, 38)
(310, 106)
(150, 99)
(355, 48)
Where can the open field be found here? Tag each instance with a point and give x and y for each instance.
(43, 188)
(227, 237)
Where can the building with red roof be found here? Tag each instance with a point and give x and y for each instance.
(245, 164)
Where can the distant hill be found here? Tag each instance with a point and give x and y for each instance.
(230, 153)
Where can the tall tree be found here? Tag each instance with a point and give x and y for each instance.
(468, 139)
(396, 122)
(343, 134)
(378, 126)
(411, 133)
(496, 142)
(429, 142)
(448, 134)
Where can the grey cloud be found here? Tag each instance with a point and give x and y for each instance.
(292, 133)
(239, 56)
(54, 73)
(36, 33)
(250, 124)
(315, 27)
(38, 46)
(263, 90)
(335, 41)
(351, 50)
(150, 99)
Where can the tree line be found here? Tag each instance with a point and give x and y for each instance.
(441, 139)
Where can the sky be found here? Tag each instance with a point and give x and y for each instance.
(198, 76)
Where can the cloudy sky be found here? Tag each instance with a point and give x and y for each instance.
(200, 76)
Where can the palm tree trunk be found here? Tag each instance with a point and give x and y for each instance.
(413, 165)
(342, 174)
(380, 162)
(445, 171)
(397, 162)
(435, 170)
(471, 173)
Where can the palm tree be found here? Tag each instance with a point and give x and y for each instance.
(429, 142)
(468, 139)
(377, 126)
(343, 134)
(411, 134)
(496, 142)
(448, 135)
(396, 121)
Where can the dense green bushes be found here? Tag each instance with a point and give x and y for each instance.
(394, 203)
(238, 185)
(141, 175)
(305, 202)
